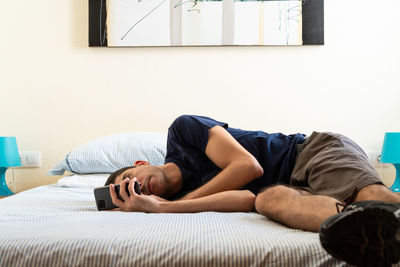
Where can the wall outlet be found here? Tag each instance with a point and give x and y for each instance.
(30, 159)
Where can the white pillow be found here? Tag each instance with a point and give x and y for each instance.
(84, 180)
(111, 153)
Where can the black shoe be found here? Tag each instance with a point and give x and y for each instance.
(365, 233)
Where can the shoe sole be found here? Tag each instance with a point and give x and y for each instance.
(363, 237)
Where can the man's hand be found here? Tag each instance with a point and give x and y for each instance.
(134, 202)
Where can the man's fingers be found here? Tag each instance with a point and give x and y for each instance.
(131, 186)
(114, 197)
(122, 190)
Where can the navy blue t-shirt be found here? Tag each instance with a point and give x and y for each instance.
(186, 146)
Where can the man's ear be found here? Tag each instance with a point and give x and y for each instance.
(141, 163)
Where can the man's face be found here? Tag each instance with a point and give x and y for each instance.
(151, 179)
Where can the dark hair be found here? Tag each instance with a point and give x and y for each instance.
(111, 178)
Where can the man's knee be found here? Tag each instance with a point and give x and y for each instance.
(272, 200)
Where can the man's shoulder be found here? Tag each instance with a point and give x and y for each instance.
(194, 122)
(182, 124)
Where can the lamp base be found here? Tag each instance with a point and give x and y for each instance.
(396, 185)
(4, 190)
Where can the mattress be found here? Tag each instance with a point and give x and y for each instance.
(60, 226)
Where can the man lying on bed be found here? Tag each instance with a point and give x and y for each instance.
(299, 181)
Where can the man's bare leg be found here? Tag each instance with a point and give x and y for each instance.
(377, 192)
(298, 209)
(295, 208)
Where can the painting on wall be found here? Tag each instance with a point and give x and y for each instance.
(119, 23)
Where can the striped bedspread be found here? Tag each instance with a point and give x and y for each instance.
(58, 226)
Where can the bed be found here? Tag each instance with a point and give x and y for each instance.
(59, 225)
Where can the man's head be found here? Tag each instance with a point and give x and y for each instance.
(152, 179)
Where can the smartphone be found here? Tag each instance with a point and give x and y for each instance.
(103, 197)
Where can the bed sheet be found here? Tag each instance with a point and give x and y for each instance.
(59, 226)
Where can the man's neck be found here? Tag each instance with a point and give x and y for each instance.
(174, 177)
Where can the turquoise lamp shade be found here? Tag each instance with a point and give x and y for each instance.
(9, 157)
(391, 154)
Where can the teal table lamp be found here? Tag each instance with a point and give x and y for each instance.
(9, 157)
(391, 154)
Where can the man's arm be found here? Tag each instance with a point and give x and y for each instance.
(239, 167)
(228, 201)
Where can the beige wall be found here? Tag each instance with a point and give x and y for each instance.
(56, 93)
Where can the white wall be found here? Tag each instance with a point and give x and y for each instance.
(57, 94)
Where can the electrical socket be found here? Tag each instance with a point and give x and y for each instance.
(30, 159)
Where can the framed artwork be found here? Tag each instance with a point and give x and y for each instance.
(119, 23)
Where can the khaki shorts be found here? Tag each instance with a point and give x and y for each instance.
(333, 165)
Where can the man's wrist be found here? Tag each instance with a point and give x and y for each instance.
(159, 198)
